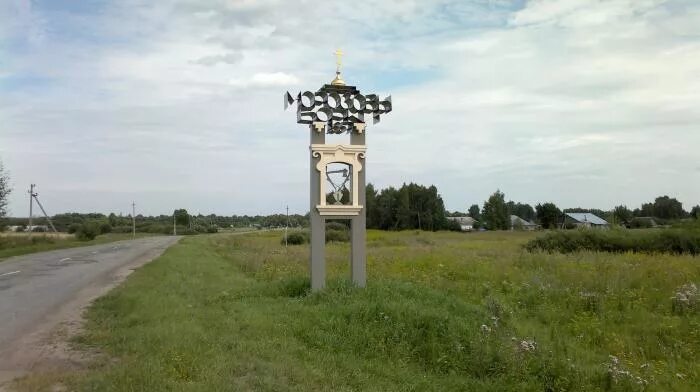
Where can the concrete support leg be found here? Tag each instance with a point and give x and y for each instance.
(317, 263)
(358, 263)
(318, 248)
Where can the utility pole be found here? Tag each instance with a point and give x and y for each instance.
(174, 225)
(31, 205)
(34, 196)
(133, 220)
(286, 227)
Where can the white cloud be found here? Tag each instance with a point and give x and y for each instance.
(579, 102)
(269, 79)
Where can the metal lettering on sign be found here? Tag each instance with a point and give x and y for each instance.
(340, 107)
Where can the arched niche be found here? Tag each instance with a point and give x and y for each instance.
(332, 161)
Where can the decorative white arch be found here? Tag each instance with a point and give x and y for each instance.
(352, 155)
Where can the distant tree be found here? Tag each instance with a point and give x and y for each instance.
(5, 190)
(112, 220)
(474, 212)
(622, 214)
(182, 218)
(647, 209)
(105, 228)
(668, 208)
(524, 211)
(548, 215)
(371, 207)
(495, 213)
(695, 212)
(412, 206)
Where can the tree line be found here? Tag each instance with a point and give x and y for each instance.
(412, 206)
(184, 222)
(495, 213)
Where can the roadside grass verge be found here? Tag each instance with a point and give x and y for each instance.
(442, 312)
(12, 244)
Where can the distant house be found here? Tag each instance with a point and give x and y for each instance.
(465, 222)
(585, 219)
(518, 223)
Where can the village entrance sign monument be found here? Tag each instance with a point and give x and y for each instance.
(338, 171)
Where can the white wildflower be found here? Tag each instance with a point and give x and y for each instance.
(618, 372)
(528, 345)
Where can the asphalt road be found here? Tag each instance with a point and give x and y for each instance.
(34, 287)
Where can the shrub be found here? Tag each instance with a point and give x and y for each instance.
(453, 225)
(674, 241)
(156, 229)
(39, 229)
(121, 229)
(73, 228)
(332, 225)
(337, 236)
(212, 229)
(295, 238)
(105, 228)
(87, 231)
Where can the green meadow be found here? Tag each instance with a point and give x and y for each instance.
(441, 312)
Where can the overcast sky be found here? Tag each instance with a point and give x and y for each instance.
(179, 104)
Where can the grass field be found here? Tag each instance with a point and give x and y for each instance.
(442, 312)
(15, 244)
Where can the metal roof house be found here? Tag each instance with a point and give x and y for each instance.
(518, 223)
(465, 222)
(585, 219)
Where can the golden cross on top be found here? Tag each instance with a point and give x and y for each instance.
(338, 59)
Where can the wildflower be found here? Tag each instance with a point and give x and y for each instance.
(617, 372)
(528, 345)
(685, 298)
(485, 328)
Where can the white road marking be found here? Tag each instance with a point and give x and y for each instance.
(66, 259)
(10, 273)
(94, 253)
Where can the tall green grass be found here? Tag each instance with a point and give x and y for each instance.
(441, 312)
(672, 241)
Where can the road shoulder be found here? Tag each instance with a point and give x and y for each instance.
(46, 347)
